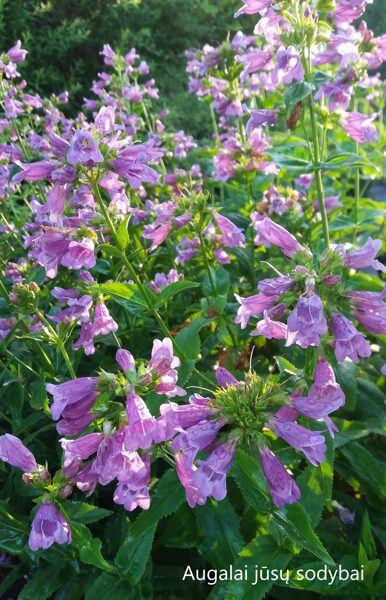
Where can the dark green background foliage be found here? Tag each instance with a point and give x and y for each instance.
(64, 39)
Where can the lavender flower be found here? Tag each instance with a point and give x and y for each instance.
(360, 127)
(49, 526)
(365, 256)
(311, 443)
(307, 322)
(348, 342)
(283, 488)
(324, 396)
(252, 306)
(84, 150)
(251, 7)
(13, 451)
(272, 233)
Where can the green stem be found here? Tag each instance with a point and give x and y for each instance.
(357, 193)
(213, 284)
(317, 154)
(59, 342)
(141, 288)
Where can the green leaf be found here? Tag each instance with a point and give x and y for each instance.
(123, 234)
(367, 537)
(315, 484)
(38, 394)
(167, 499)
(188, 339)
(249, 477)
(285, 366)
(43, 583)
(109, 586)
(221, 280)
(297, 92)
(13, 535)
(294, 521)
(369, 470)
(173, 289)
(85, 513)
(90, 553)
(89, 548)
(262, 551)
(134, 553)
(346, 375)
(110, 250)
(121, 290)
(218, 524)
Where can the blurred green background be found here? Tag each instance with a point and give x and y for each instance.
(64, 38)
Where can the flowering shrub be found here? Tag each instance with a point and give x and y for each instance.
(196, 326)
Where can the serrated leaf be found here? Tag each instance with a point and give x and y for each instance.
(173, 289)
(294, 521)
(168, 498)
(110, 250)
(43, 583)
(85, 513)
(249, 477)
(89, 548)
(218, 524)
(109, 586)
(134, 553)
(263, 551)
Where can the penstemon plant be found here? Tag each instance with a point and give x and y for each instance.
(193, 332)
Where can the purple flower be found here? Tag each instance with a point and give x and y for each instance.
(288, 67)
(79, 254)
(76, 451)
(252, 306)
(49, 526)
(34, 171)
(125, 360)
(224, 378)
(105, 120)
(311, 443)
(162, 280)
(338, 94)
(108, 54)
(272, 233)
(360, 127)
(195, 438)
(370, 310)
(275, 285)
(348, 343)
(330, 203)
(143, 429)
(210, 476)
(103, 323)
(261, 117)
(324, 396)
(84, 149)
(365, 256)
(135, 172)
(132, 490)
(232, 236)
(6, 326)
(270, 329)
(16, 53)
(283, 488)
(73, 398)
(251, 7)
(13, 451)
(306, 322)
(163, 363)
(305, 180)
(175, 417)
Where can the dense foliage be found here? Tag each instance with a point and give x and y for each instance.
(192, 333)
